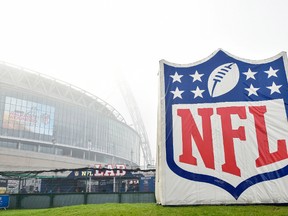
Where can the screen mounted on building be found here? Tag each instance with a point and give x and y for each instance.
(28, 116)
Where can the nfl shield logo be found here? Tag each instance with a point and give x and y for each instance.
(223, 131)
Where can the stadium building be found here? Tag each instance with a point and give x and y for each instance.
(49, 124)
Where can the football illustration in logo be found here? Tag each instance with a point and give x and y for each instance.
(223, 79)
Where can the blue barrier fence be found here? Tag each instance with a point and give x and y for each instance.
(4, 201)
(37, 201)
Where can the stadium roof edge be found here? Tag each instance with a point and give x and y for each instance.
(117, 115)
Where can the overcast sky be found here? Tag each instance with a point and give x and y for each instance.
(90, 43)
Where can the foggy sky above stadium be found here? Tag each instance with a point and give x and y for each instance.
(90, 44)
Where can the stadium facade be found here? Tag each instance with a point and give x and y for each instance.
(49, 124)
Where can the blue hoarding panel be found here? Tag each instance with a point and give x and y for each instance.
(4, 201)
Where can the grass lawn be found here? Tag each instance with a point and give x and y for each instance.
(152, 209)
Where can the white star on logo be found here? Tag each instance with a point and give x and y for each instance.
(197, 92)
(177, 93)
(196, 76)
(176, 77)
(271, 72)
(274, 88)
(250, 74)
(252, 90)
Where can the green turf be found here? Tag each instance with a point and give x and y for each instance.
(152, 209)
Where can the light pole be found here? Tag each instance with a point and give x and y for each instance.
(113, 158)
(131, 162)
(89, 148)
(54, 142)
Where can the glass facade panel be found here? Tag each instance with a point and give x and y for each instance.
(48, 121)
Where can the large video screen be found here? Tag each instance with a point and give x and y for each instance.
(28, 116)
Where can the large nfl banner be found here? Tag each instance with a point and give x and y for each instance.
(223, 131)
